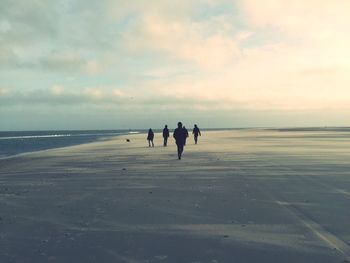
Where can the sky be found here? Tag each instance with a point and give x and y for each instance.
(113, 64)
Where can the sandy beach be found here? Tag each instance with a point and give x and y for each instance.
(237, 196)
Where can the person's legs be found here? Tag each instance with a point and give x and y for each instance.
(152, 143)
(165, 141)
(195, 139)
(180, 149)
(149, 143)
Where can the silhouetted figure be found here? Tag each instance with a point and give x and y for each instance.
(179, 135)
(150, 138)
(196, 132)
(165, 135)
(186, 134)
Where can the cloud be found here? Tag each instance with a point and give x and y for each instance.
(3, 92)
(186, 33)
(204, 55)
(274, 77)
(63, 61)
(315, 18)
(58, 95)
(100, 97)
(25, 20)
(67, 36)
(57, 90)
(118, 93)
(58, 36)
(8, 58)
(187, 41)
(166, 8)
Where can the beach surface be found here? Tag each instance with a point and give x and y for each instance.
(237, 196)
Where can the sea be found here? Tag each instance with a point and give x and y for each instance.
(14, 143)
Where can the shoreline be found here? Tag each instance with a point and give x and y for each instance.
(127, 132)
(338, 133)
(71, 144)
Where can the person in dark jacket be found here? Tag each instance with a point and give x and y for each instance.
(165, 135)
(186, 134)
(179, 135)
(150, 138)
(196, 132)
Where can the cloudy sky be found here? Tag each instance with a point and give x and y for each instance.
(108, 64)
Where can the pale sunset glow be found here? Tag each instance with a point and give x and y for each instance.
(133, 64)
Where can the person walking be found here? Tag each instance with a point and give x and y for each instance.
(179, 136)
(165, 135)
(196, 132)
(186, 134)
(150, 138)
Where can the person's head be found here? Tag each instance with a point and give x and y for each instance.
(150, 129)
(166, 126)
(184, 127)
(195, 125)
(179, 124)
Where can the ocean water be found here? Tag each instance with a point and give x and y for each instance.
(13, 143)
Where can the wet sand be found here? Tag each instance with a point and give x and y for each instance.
(237, 196)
